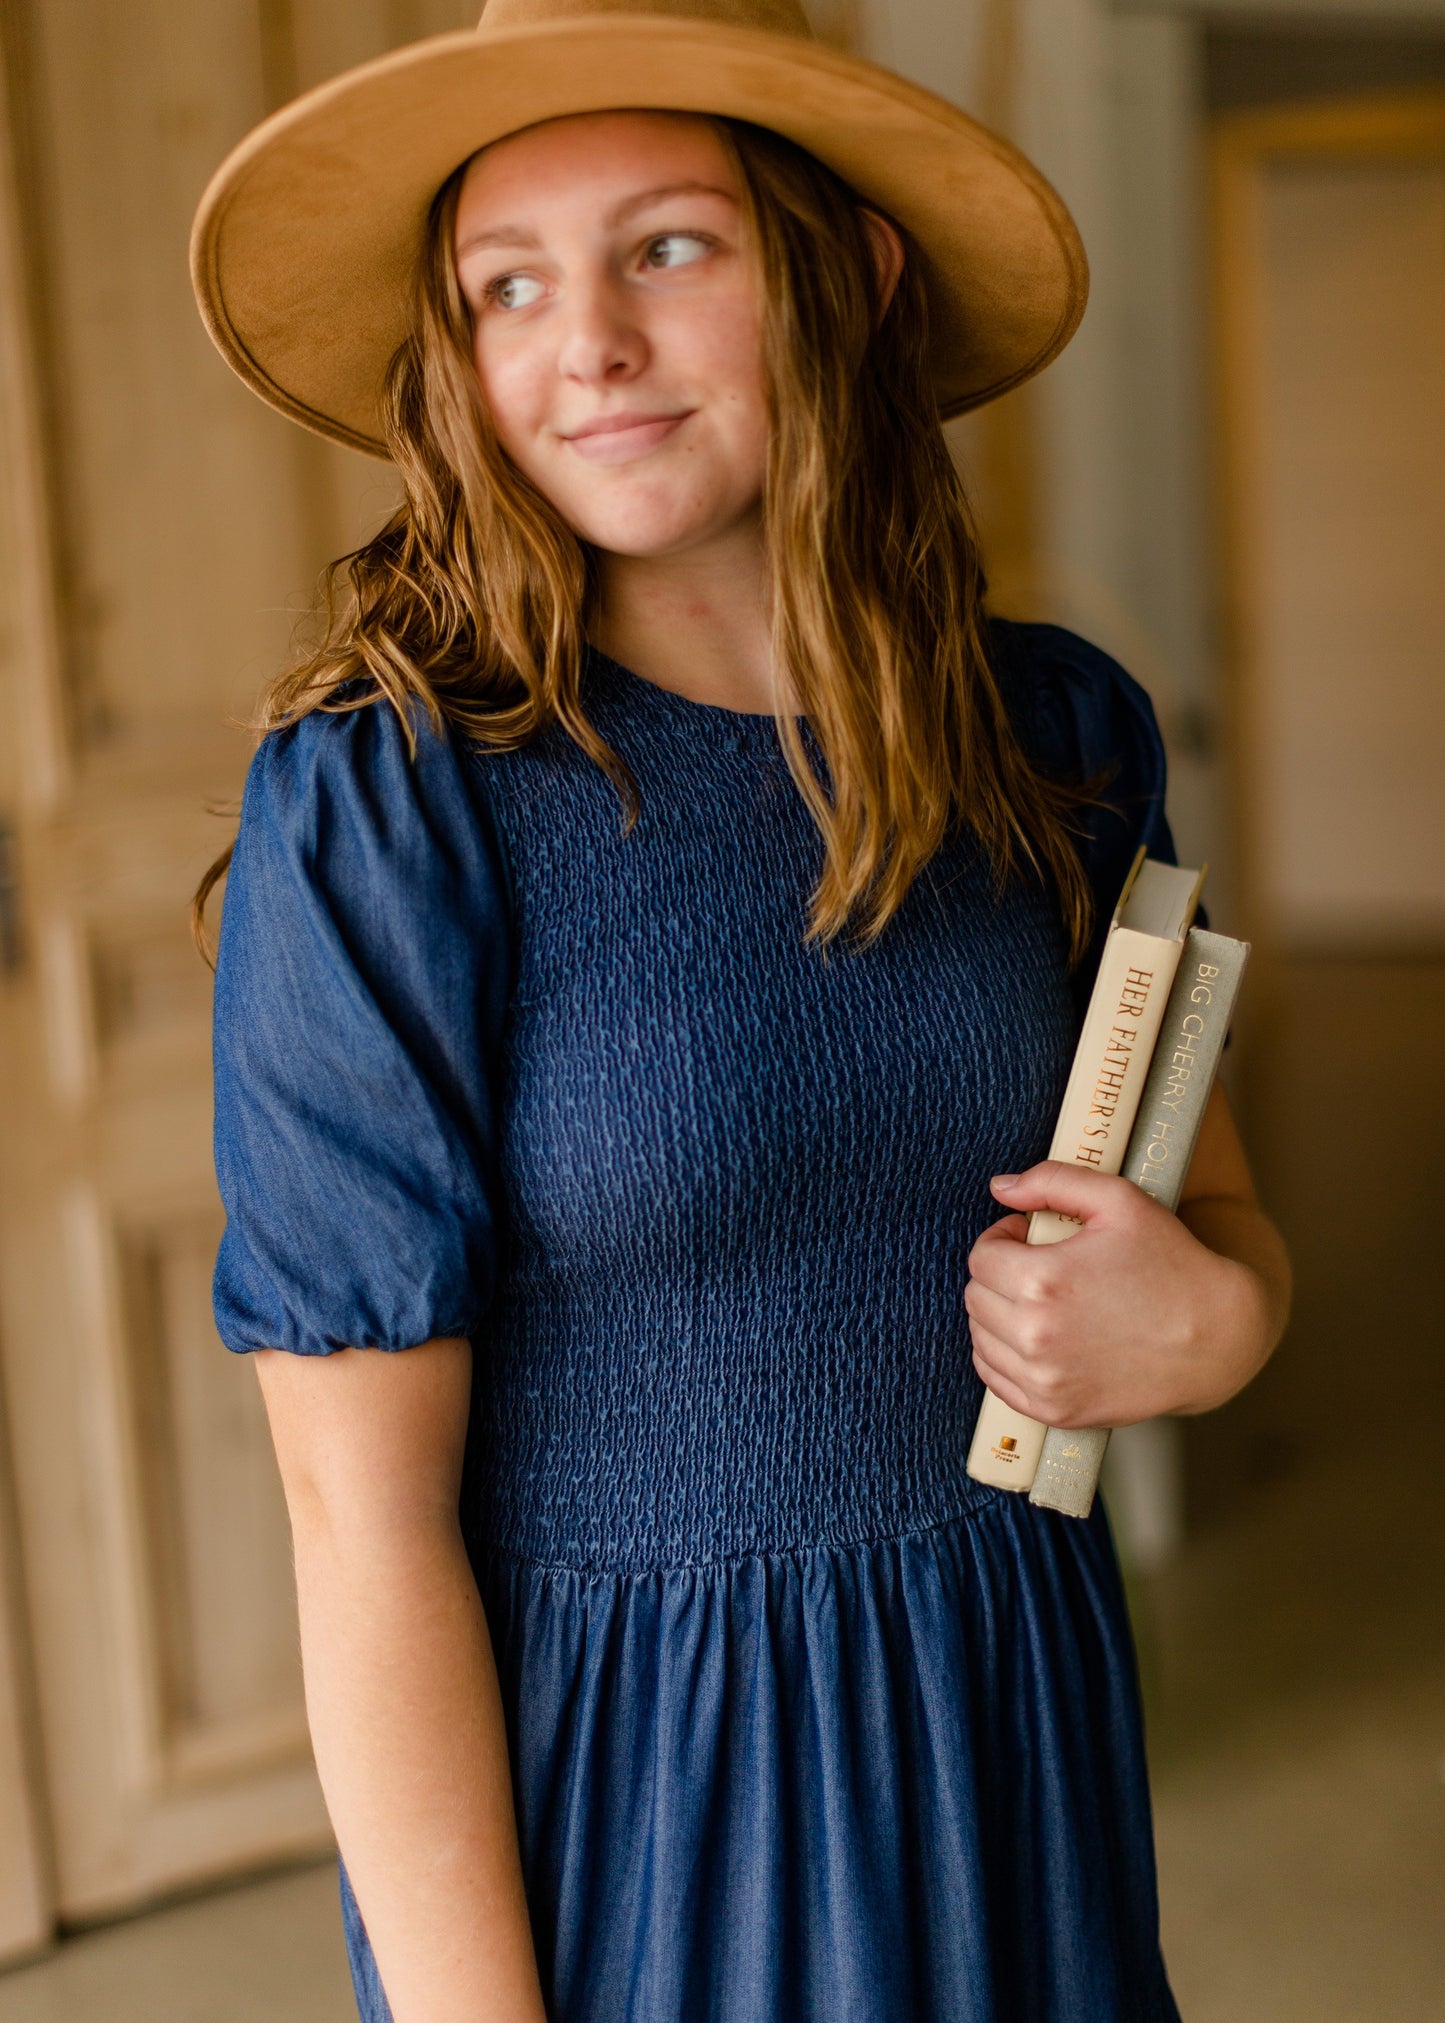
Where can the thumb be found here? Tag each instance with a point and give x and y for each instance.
(1068, 1190)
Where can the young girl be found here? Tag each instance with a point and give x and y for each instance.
(655, 937)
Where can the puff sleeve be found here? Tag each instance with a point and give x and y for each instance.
(361, 988)
(1083, 718)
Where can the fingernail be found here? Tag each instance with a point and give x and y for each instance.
(1005, 1180)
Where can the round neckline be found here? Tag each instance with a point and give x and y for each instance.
(734, 718)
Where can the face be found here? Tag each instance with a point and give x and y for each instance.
(616, 328)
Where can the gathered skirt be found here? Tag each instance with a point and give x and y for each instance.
(899, 1781)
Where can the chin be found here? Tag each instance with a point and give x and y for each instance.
(644, 535)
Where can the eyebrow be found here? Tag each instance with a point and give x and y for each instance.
(518, 235)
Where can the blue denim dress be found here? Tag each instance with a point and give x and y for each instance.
(805, 1726)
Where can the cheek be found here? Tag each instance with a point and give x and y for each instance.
(512, 387)
(731, 345)
(723, 354)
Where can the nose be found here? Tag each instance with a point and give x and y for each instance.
(602, 344)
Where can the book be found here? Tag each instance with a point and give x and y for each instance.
(1126, 1007)
(1171, 1109)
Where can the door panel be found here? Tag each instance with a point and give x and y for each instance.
(26, 1899)
(160, 533)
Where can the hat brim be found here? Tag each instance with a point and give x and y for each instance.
(304, 243)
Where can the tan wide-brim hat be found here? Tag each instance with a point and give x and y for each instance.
(305, 242)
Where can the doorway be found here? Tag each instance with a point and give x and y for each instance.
(1297, 1648)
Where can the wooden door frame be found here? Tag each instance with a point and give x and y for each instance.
(1403, 126)
(27, 1876)
(31, 778)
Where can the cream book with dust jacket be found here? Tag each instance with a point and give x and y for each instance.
(1126, 1010)
(1177, 1087)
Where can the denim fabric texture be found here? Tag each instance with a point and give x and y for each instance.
(804, 1724)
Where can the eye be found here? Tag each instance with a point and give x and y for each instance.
(677, 249)
(513, 291)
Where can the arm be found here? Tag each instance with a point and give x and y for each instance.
(401, 1687)
(1141, 1312)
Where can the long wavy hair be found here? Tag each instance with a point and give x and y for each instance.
(472, 601)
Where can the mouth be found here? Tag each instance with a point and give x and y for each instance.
(618, 438)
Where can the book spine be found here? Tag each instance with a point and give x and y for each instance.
(1067, 1476)
(1126, 1009)
(1171, 1110)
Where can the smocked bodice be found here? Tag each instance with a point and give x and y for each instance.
(741, 1173)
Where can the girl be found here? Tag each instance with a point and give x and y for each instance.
(655, 937)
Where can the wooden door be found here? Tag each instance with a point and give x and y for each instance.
(160, 533)
(1331, 288)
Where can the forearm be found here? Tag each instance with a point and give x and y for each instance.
(1239, 1231)
(406, 1721)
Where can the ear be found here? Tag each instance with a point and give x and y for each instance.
(887, 249)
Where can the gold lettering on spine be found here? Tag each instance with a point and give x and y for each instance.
(1113, 1074)
(1183, 1049)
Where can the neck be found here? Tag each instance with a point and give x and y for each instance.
(696, 623)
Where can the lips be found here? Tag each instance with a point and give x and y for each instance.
(618, 438)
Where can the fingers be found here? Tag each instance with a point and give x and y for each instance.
(1004, 1385)
(1068, 1189)
(1031, 1331)
(1004, 1263)
(1045, 1318)
(1009, 1229)
(989, 1310)
(1021, 1351)
(1037, 1388)
(1000, 1252)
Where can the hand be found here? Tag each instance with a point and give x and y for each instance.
(1129, 1317)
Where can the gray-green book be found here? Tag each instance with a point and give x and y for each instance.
(1171, 1109)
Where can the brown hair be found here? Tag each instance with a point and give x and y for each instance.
(472, 599)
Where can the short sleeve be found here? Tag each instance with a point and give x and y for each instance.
(361, 987)
(1083, 719)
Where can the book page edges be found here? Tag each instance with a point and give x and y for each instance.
(1161, 899)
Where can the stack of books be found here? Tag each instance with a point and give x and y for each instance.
(1142, 1074)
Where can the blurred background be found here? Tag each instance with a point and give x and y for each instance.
(1234, 480)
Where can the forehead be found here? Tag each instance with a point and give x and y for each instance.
(588, 161)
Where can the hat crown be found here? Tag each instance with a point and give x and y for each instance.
(304, 247)
(781, 17)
